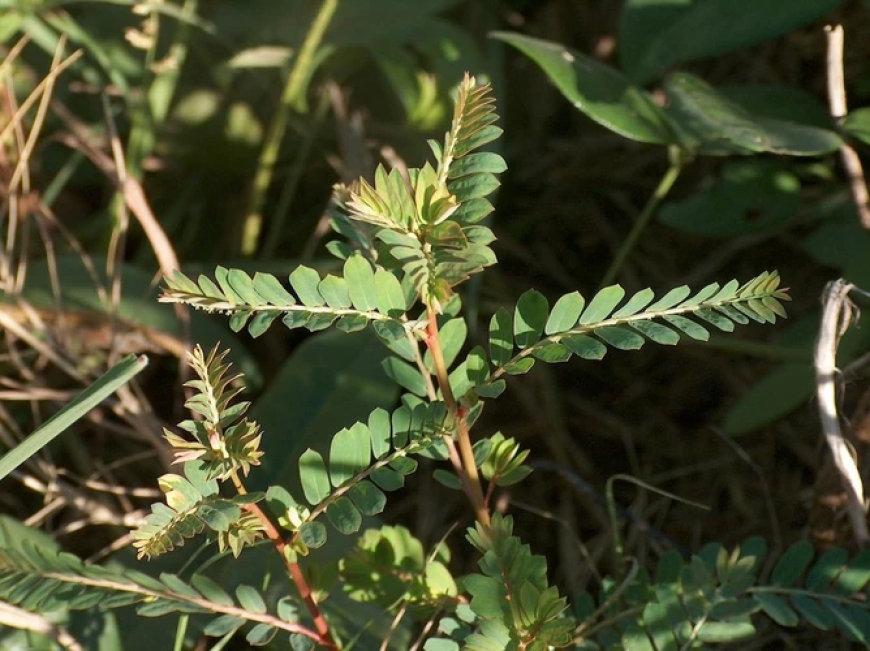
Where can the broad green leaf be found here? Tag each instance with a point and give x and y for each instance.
(857, 124)
(349, 453)
(344, 516)
(223, 625)
(305, 281)
(585, 347)
(826, 569)
(710, 123)
(781, 103)
(351, 323)
(270, 288)
(856, 575)
(391, 298)
(671, 299)
(751, 196)
(620, 338)
(406, 376)
(91, 397)
(389, 331)
(716, 319)
(493, 390)
(565, 313)
(360, 279)
(792, 564)
(814, 612)
(529, 318)
(656, 34)
(329, 382)
(315, 479)
(368, 498)
(775, 395)
(501, 346)
(602, 304)
(334, 291)
(598, 90)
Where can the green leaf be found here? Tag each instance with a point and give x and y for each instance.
(250, 599)
(657, 332)
(315, 480)
(261, 322)
(313, 534)
(598, 90)
(388, 479)
(792, 564)
(602, 304)
(349, 453)
(529, 318)
(211, 590)
(368, 498)
(360, 278)
(620, 338)
(391, 298)
(501, 346)
(99, 390)
(585, 347)
(656, 34)
(453, 335)
(857, 124)
(243, 286)
(305, 281)
(635, 304)
(712, 124)
(406, 376)
(688, 327)
(520, 366)
(344, 516)
(552, 353)
(493, 390)
(270, 288)
(482, 162)
(261, 634)
(379, 431)
(334, 291)
(565, 313)
(776, 394)
(776, 608)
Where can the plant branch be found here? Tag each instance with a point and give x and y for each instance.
(468, 473)
(290, 98)
(837, 103)
(661, 191)
(293, 569)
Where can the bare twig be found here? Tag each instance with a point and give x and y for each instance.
(836, 316)
(837, 103)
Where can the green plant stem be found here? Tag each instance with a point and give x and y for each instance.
(661, 191)
(300, 72)
(469, 476)
(293, 569)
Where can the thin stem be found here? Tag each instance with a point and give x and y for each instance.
(661, 191)
(468, 474)
(293, 569)
(293, 89)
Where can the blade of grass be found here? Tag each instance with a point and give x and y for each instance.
(102, 388)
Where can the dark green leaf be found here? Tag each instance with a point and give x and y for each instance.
(585, 347)
(529, 318)
(657, 332)
(598, 90)
(552, 353)
(501, 346)
(776, 608)
(344, 516)
(656, 34)
(368, 498)
(620, 338)
(687, 326)
(250, 599)
(792, 564)
(405, 375)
